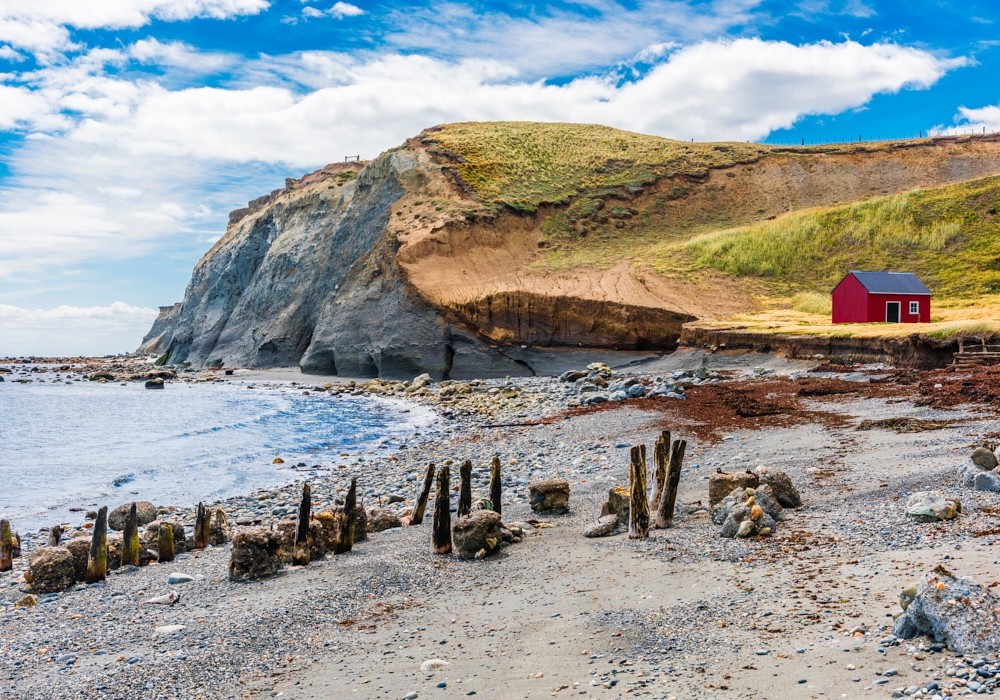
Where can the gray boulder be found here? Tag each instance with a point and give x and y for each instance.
(984, 458)
(380, 519)
(255, 555)
(784, 490)
(144, 510)
(986, 481)
(603, 527)
(954, 611)
(50, 570)
(477, 534)
(932, 506)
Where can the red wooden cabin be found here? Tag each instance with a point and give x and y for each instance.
(881, 297)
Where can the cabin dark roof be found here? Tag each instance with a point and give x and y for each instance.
(890, 282)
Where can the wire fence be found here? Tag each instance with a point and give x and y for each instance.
(921, 134)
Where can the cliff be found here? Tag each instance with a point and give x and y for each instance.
(473, 246)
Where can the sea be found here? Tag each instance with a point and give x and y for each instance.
(80, 445)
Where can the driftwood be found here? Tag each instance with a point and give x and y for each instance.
(638, 522)
(665, 513)
(6, 547)
(130, 539)
(55, 535)
(442, 513)
(97, 562)
(202, 525)
(465, 488)
(417, 517)
(495, 485)
(165, 544)
(661, 452)
(345, 542)
(300, 545)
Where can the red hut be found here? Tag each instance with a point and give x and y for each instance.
(881, 297)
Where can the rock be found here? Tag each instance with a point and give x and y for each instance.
(79, 547)
(765, 498)
(721, 484)
(154, 383)
(745, 520)
(479, 530)
(28, 601)
(954, 611)
(422, 381)
(432, 664)
(380, 519)
(394, 498)
(617, 503)
(984, 458)
(603, 527)
(50, 570)
(219, 529)
(178, 577)
(986, 481)
(169, 629)
(144, 510)
(549, 495)
(930, 506)
(636, 391)
(255, 555)
(784, 490)
(572, 375)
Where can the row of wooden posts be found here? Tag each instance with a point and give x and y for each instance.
(667, 476)
(97, 561)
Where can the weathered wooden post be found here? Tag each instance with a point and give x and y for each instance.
(496, 487)
(300, 546)
(130, 538)
(6, 547)
(345, 542)
(442, 512)
(465, 488)
(165, 544)
(55, 535)
(417, 517)
(661, 453)
(665, 513)
(638, 524)
(97, 563)
(202, 525)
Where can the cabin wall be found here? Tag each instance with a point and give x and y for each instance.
(850, 302)
(877, 302)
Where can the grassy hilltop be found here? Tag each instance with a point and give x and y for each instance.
(605, 195)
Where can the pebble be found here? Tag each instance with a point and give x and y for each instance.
(178, 577)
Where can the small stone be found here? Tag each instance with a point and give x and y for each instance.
(432, 664)
(178, 577)
(412, 695)
(442, 684)
(603, 527)
(170, 629)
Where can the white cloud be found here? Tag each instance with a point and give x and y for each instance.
(345, 9)
(977, 119)
(178, 55)
(72, 330)
(9, 54)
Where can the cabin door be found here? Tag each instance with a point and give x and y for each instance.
(892, 312)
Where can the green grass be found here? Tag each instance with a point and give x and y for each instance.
(812, 303)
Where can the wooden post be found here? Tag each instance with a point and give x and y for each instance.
(665, 514)
(6, 547)
(97, 563)
(638, 525)
(300, 546)
(202, 525)
(442, 512)
(495, 485)
(417, 517)
(130, 539)
(465, 489)
(661, 453)
(165, 544)
(346, 540)
(55, 535)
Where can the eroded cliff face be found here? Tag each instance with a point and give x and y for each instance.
(395, 267)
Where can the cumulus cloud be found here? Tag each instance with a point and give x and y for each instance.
(977, 119)
(345, 9)
(72, 330)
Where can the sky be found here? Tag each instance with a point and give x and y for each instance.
(130, 128)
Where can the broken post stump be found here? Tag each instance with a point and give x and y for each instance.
(665, 513)
(496, 487)
(417, 517)
(345, 542)
(6, 547)
(55, 535)
(130, 538)
(300, 545)
(660, 456)
(97, 562)
(442, 513)
(165, 544)
(465, 488)
(638, 522)
(202, 525)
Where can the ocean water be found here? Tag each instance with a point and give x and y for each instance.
(86, 444)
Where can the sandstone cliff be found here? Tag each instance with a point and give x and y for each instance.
(471, 246)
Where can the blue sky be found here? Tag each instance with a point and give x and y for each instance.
(129, 128)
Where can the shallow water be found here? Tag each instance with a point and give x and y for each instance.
(86, 444)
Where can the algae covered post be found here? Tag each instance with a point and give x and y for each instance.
(97, 563)
(130, 538)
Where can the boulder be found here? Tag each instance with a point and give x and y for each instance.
(984, 458)
(51, 570)
(219, 529)
(327, 531)
(931, 506)
(255, 555)
(156, 383)
(572, 375)
(784, 490)
(987, 481)
(721, 484)
(742, 516)
(115, 544)
(549, 495)
(954, 611)
(360, 524)
(765, 498)
(605, 526)
(144, 510)
(617, 503)
(380, 519)
(79, 547)
(476, 535)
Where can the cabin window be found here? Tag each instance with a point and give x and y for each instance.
(914, 307)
